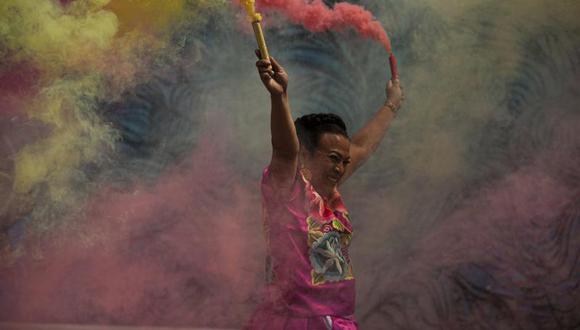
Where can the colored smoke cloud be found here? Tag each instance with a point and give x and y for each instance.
(316, 16)
(83, 54)
(132, 139)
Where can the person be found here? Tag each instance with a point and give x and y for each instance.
(310, 281)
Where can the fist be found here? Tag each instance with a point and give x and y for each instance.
(273, 75)
(395, 93)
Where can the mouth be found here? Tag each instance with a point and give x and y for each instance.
(333, 179)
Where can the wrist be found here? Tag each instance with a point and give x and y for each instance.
(279, 96)
(392, 106)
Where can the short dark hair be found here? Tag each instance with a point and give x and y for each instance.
(310, 127)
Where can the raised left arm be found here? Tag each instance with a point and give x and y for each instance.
(367, 139)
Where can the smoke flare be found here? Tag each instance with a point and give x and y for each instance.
(317, 17)
(250, 6)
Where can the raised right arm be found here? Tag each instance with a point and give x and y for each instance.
(285, 145)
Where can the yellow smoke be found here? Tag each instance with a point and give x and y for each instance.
(149, 16)
(158, 17)
(89, 51)
(253, 16)
(78, 136)
(66, 45)
(39, 31)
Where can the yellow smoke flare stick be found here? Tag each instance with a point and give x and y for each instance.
(260, 39)
(256, 18)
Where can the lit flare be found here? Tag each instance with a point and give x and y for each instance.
(256, 18)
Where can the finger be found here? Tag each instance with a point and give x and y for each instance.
(396, 81)
(265, 76)
(264, 67)
(263, 64)
(275, 65)
(389, 84)
(268, 72)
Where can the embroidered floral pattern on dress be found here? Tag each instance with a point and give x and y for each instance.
(329, 236)
(328, 251)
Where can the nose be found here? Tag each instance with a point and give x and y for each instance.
(339, 168)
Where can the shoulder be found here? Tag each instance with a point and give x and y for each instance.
(272, 192)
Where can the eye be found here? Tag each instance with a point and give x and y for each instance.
(335, 158)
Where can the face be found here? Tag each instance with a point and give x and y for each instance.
(328, 162)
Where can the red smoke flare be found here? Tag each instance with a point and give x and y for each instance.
(317, 17)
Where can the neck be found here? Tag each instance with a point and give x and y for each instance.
(324, 191)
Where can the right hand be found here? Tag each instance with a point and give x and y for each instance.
(273, 75)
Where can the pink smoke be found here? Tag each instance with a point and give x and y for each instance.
(17, 85)
(317, 17)
(184, 251)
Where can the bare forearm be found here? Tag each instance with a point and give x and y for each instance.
(370, 136)
(284, 139)
(367, 139)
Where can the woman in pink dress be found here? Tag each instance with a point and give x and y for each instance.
(307, 226)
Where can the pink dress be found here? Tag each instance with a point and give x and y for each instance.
(310, 284)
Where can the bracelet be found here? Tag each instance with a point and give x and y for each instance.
(391, 106)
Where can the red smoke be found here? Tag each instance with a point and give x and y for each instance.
(317, 17)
